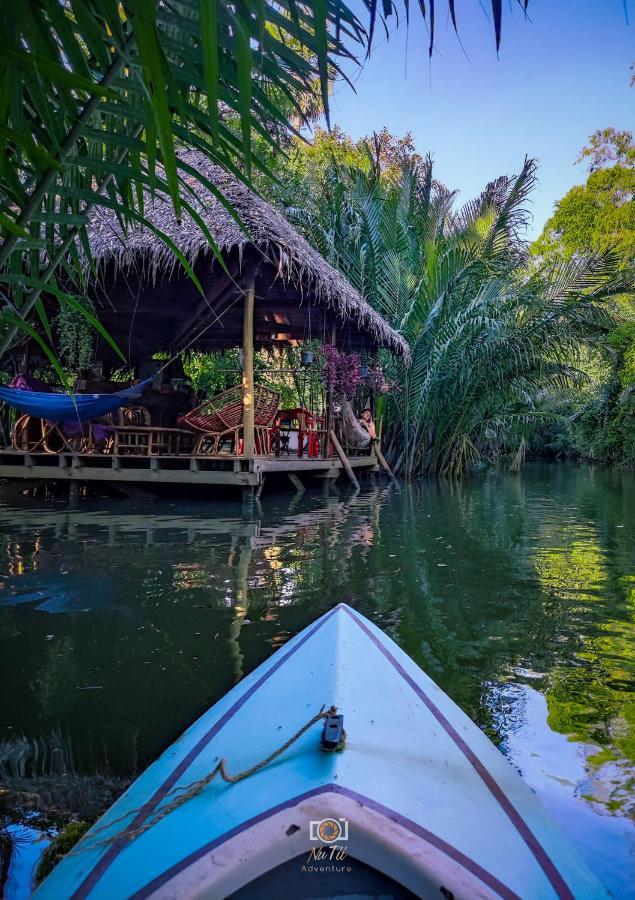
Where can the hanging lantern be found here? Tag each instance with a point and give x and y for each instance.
(307, 357)
(363, 371)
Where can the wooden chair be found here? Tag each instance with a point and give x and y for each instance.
(28, 435)
(220, 421)
(33, 435)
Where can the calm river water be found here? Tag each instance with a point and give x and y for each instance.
(121, 622)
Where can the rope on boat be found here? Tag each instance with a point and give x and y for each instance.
(197, 787)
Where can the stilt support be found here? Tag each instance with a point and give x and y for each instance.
(382, 460)
(344, 460)
(73, 493)
(295, 481)
(248, 497)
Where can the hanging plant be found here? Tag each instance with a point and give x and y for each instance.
(76, 336)
(341, 371)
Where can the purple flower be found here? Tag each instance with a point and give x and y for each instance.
(341, 371)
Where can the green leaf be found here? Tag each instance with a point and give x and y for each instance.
(42, 66)
(11, 318)
(321, 46)
(243, 65)
(156, 82)
(7, 223)
(209, 47)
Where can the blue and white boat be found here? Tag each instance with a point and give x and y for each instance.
(417, 801)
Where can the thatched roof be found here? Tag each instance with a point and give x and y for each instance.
(268, 230)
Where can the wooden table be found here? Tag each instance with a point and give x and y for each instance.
(150, 440)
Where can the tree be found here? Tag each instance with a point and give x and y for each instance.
(606, 145)
(95, 97)
(600, 214)
(596, 217)
(490, 337)
(94, 94)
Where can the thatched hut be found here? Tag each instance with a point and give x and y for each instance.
(271, 289)
(148, 303)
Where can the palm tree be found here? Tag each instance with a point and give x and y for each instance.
(490, 337)
(96, 95)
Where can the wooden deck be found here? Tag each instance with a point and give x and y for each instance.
(157, 470)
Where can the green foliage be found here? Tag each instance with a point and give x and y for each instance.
(96, 97)
(605, 426)
(306, 169)
(282, 371)
(76, 337)
(489, 336)
(599, 215)
(211, 373)
(596, 216)
(61, 844)
(622, 340)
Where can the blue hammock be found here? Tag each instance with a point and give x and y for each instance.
(64, 408)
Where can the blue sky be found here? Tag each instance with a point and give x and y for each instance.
(560, 75)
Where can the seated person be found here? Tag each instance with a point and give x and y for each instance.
(366, 421)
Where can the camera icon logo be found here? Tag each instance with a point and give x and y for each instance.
(327, 831)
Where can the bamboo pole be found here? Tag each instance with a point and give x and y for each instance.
(248, 369)
(344, 460)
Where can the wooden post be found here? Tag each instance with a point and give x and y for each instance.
(344, 460)
(382, 460)
(329, 403)
(295, 481)
(73, 494)
(248, 368)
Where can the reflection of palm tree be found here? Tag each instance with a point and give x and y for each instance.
(10, 840)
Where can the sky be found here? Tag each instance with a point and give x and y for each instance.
(561, 74)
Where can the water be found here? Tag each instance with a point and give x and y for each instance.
(120, 623)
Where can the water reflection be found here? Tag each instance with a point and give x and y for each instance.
(117, 630)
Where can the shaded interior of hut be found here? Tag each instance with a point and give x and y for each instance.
(237, 361)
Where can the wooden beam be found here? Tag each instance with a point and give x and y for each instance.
(196, 319)
(344, 460)
(382, 460)
(295, 481)
(114, 476)
(248, 367)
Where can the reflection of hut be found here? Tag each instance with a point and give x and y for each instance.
(272, 289)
